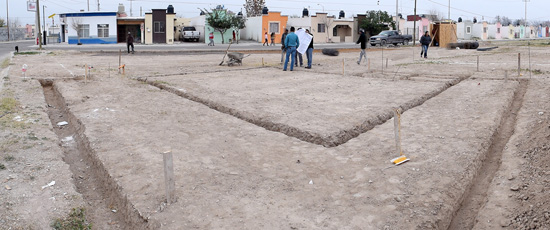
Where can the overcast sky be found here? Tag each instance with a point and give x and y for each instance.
(537, 10)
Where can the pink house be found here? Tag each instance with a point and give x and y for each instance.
(29, 31)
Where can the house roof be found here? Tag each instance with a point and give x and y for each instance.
(89, 14)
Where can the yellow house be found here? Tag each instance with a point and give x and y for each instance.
(159, 26)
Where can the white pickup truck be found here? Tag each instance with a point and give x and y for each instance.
(189, 33)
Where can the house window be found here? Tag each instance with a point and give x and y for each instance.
(335, 31)
(320, 28)
(468, 29)
(159, 27)
(484, 29)
(498, 30)
(273, 27)
(102, 30)
(84, 30)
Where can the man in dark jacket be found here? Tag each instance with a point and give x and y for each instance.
(363, 41)
(283, 48)
(130, 42)
(309, 51)
(425, 42)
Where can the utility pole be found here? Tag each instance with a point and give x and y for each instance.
(397, 15)
(414, 24)
(526, 1)
(131, 8)
(449, 17)
(8, 19)
(97, 5)
(44, 21)
(38, 26)
(88, 5)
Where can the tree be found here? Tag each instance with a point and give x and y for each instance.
(505, 21)
(2, 22)
(376, 21)
(254, 7)
(77, 25)
(239, 23)
(434, 16)
(220, 20)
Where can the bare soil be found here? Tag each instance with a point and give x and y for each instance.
(258, 148)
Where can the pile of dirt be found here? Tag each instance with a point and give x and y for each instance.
(533, 191)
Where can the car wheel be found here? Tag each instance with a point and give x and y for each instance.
(383, 43)
(406, 42)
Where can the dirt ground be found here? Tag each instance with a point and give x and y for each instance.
(258, 148)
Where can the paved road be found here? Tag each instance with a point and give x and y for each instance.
(7, 47)
(183, 47)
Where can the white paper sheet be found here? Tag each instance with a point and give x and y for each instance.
(305, 39)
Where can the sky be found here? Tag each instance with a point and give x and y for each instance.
(537, 10)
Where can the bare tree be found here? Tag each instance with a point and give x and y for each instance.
(434, 15)
(77, 25)
(2, 22)
(505, 21)
(254, 7)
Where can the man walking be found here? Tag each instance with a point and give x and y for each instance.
(309, 51)
(283, 48)
(291, 43)
(425, 41)
(130, 42)
(363, 41)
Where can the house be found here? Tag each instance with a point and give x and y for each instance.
(89, 27)
(444, 33)
(320, 24)
(125, 24)
(494, 31)
(342, 28)
(269, 22)
(302, 22)
(464, 30)
(199, 22)
(422, 25)
(159, 26)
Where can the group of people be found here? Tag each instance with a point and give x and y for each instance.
(290, 43)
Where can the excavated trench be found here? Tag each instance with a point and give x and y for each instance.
(106, 205)
(331, 140)
(476, 196)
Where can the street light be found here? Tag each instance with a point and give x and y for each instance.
(321, 6)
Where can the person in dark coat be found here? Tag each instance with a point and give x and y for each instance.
(283, 47)
(363, 40)
(130, 42)
(309, 51)
(425, 42)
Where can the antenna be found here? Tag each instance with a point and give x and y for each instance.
(97, 5)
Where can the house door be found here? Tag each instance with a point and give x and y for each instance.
(159, 26)
(62, 33)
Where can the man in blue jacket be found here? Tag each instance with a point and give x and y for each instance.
(291, 43)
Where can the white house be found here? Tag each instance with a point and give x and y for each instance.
(95, 27)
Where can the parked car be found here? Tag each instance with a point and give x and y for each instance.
(189, 33)
(390, 37)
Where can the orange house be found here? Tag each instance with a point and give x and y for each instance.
(273, 22)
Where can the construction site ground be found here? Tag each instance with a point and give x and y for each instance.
(256, 147)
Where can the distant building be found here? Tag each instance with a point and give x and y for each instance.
(94, 27)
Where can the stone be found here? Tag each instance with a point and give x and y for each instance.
(504, 223)
(514, 188)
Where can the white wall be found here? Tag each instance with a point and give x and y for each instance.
(199, 23)
(93, 21)
(477, 30)
(492, 31)
(253, 29)
(304, 22)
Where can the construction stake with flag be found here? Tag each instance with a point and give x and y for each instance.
(397, 128)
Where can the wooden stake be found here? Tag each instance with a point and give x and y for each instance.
(478, 63)
(109, 70)
(368, 63)
(262, 62)
(397, 129)
(85, 73)
(519, 64)
(169, 177)
(382, 60)
(343, 67)
(119, 59)
(387, 63)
